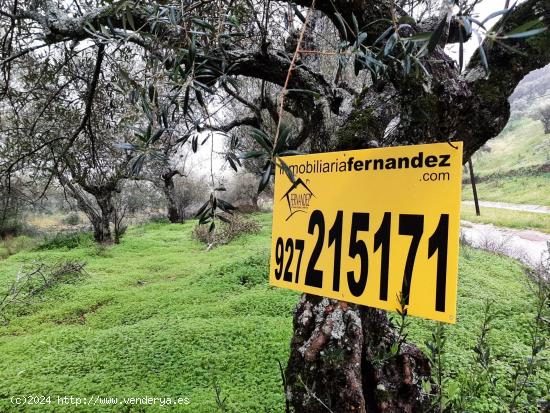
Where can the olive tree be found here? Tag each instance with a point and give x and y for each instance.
(543, 114)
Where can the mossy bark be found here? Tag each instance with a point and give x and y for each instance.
(341, 361)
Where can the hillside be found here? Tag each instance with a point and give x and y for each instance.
(532, 92)
(521, 148)
(514, 166)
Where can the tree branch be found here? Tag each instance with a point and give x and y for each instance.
(226, 128)
(509, 61)
(273, 67)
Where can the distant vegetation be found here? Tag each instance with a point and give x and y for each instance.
(519, 189)
(531, 94)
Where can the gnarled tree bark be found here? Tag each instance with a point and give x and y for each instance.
(100, 216)
(471, 107)
(341, 361)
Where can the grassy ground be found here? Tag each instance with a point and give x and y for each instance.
(522, 189)
(159, 316)
(11, 246)
(507, 218)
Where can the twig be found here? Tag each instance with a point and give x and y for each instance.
(289, 73)
(281, 370)
(309, 392)
(393, 15)
(22, 53)
(87, 112)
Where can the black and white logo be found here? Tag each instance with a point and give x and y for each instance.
(298, 197)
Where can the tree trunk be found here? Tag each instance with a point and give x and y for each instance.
(255, 199)
(174, 214)
(101, 225)
(341, 361)
(348, 358)
(546, 123)
(100, 219)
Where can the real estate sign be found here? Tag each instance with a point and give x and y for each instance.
(378, 227)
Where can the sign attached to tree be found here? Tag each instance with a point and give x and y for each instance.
(378, 227)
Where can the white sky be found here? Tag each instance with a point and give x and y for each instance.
(481, 11)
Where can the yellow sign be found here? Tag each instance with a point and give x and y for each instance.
(370, 226)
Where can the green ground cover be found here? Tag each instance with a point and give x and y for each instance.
(522, 189)
(159, 316)
(507, 218)
(11, 246)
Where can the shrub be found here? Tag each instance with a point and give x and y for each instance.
(159, 219)
(70, 240)
(248, 209)
(120, 230)
(11, 226)
(11, 246)
(225, 232)
(72, 219)
(100, 250)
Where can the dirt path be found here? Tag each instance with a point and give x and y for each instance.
(528, 246)
(540, 209)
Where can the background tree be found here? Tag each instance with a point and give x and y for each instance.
(413, 92)
(92, 168)
(244, 190)
(164, 171)
(13, 197)
(543, 114)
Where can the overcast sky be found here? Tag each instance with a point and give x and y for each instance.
(481, 11)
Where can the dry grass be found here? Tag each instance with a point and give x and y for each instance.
(224, 232)
(55, 222)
